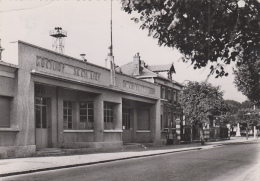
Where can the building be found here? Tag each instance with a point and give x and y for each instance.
(171, 122)
(50, 100)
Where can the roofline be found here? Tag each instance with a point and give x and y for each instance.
(8, 64)
(67, 56)
(29, 44)
(171, 81)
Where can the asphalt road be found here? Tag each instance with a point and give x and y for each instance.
(228, 162)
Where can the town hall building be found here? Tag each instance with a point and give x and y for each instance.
(50, 100)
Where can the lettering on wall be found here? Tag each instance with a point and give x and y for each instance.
(138, 87)
(86, 73)
(49, 64)
(65, 68)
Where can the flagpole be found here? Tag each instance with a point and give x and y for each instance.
(110, 55)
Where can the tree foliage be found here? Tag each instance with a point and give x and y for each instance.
(247, 80)
(250, 116)
(231, 115)
(201, 102)
(241, 113)
(202, 30)
(233, 106)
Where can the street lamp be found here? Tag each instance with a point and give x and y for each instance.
(241, 3)
(247, 125)
(1, 49)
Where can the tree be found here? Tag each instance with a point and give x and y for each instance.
(201, 102)
(204, 31)
(231, 115)
(247, 80)
(248, 117)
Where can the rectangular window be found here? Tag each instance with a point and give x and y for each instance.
(169, 95)
(126, 119)
(108, 112)
(86, 114)
(67, 114)
(163, 93)
(174, 97)
(5, 112)
(108, 115)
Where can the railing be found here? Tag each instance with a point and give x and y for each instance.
(209, 134)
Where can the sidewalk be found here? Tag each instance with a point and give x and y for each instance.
(32, 164)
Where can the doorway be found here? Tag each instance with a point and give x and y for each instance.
(41, 123)
(127, 128)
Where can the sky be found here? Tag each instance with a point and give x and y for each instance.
(87, 23)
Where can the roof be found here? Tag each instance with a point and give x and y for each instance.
(147, 72)
(159, 68)
(128, 69)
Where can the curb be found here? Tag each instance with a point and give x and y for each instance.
(93, 163)
(124, 158)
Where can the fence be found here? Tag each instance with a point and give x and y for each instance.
(215, 133)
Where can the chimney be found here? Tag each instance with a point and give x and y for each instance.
(143, 63)
(136, 65)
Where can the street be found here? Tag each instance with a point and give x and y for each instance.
(238, 161)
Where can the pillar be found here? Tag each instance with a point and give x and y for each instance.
(155, 122)
(178, 129)
(255, 131)
(238, 130)
(98, 118)
(118, 116)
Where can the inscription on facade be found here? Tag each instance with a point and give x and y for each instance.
(138, 87)
(49, 64)
(86, 73)
(68, 69)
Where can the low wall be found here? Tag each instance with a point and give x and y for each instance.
(17, 151)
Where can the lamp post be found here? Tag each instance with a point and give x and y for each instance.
(1, 49)
(241, 3)
(247, 125)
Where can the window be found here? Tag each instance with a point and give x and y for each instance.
(174, 96)
(163, 93)
(126, 119)
(108, 115)
(169, 95)
(108, 112)
(67, 114)
(5, 112)
(86, 115)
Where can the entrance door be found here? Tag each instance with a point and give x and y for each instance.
(41, 123)
(127, 129)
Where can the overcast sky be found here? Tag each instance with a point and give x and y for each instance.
(87, 23)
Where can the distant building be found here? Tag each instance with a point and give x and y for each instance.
(171, 116)
(51, 100)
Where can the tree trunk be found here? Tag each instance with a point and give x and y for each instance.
(247, 131)
(191, 134)
(202, 136)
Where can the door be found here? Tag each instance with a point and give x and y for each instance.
(127, 129)
(41, 123)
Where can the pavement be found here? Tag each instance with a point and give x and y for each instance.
(16, 166)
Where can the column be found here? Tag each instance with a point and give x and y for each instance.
(238, 130)
(98, 118)
(155, 122)
(118, 116)
(178, 129)
(255, 131)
